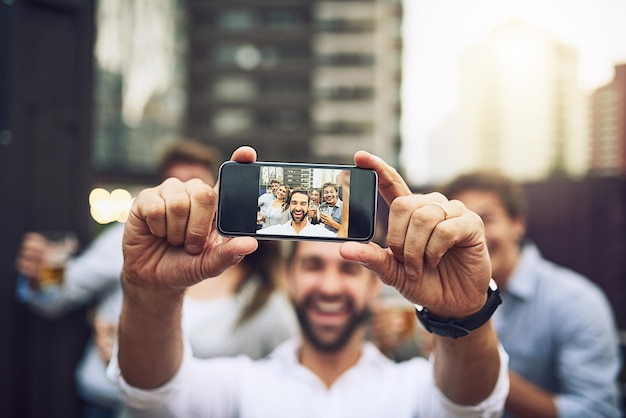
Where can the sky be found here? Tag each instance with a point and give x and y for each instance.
(435, 32)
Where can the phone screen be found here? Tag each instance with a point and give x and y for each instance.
(297, 201)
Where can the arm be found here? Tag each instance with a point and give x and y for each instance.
(87, 277)
(169, 245)
(586, 360)
(437, 258)
(528, 400)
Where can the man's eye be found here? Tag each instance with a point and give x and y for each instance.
(311, 264)
(352, 268)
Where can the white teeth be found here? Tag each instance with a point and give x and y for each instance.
(329, 307)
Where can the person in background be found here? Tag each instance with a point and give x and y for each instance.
(556, 325)
(277, 212)
(331, 209)
(314, 204)
(243, 313)
(437, 257)
(395, 330)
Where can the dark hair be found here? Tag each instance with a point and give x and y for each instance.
(510, 193)
(275, 181)
(330, 184)
(285, 204)
(266, 264)
(301, 191)
(191, 152)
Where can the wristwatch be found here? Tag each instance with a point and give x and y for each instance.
(455, 328)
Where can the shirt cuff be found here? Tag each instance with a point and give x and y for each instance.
(146, 398)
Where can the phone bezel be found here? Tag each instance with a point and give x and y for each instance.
(239, 192)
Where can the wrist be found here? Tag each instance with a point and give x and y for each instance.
(140, 296)
(459, 327)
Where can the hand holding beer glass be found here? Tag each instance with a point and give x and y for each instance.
(43, 255)
(394, 324)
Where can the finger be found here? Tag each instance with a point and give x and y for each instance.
(380, 261)
(425, 241)
(465, 230)
(400, 212)
(149, 207)
(203, 200)
(31, 255)
(177, 207)
(243, 154)
(390, 183)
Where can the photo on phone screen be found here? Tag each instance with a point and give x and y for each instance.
(297, 201)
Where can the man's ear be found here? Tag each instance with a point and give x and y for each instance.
(519, 225)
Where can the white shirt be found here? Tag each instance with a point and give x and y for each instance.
(309, 230)
(280, 386)
(266, 199)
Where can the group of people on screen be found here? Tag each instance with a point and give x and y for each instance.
(303, 212)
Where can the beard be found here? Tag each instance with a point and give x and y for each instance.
(301, 218)
(355, 320)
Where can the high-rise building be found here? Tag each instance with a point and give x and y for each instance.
(608, 127)
(299, 80)
(520, 108)
(356, 79)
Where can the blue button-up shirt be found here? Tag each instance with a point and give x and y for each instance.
(560, 333)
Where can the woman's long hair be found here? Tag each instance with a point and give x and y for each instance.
(266, 266)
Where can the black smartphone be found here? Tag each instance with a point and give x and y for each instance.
(296, 201)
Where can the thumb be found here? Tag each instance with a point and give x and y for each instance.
(227, 254)
(380, 261)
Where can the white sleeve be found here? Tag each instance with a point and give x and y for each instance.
(200, 387)
(491, 407)
(90, 276)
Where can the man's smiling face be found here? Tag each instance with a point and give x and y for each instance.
(331, 295)
(299, 206)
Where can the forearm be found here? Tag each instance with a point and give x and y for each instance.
(528, 400)
(150, 335)
(466, 368)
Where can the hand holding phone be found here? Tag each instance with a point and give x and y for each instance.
(346, 212)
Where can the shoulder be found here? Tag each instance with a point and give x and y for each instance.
(572, 298)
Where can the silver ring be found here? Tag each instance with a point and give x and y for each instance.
(445, 212)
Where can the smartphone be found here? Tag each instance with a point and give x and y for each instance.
(295, 201)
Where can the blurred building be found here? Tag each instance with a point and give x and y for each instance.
(608, 127)
(299, 80)
(520, 108)
(139, 87)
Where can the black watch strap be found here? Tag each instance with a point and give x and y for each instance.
(455, 328)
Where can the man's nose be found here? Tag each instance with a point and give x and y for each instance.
(330, 282)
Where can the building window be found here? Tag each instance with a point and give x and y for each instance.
(343, 128)
(345, 26)
(236, 88)
(228, 122)
(284, 86)
(284, 19)
(346, 60)
(282, 120)
(343, 93)
(237, 20)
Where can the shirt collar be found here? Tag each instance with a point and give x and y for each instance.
(522, 282)
(287, 352)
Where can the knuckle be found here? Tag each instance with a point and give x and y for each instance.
(205, 195)
(178, 206)
(196, 233)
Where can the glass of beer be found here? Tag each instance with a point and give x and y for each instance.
(61, 245)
